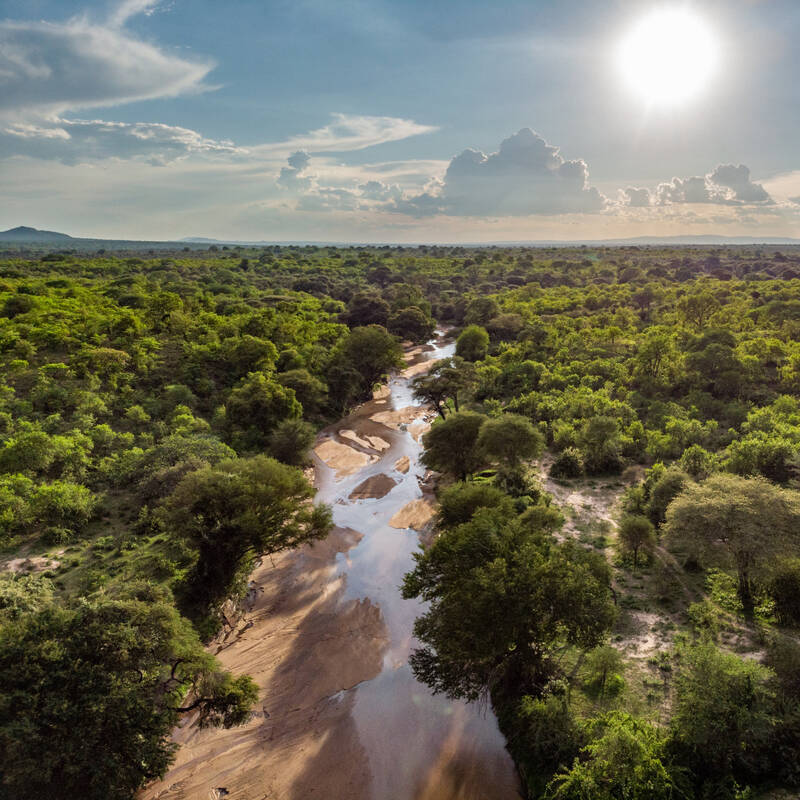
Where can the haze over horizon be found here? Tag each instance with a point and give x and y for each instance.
(401, 122)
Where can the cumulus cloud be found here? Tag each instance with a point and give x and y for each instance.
(737, 179)
(313, 196)
(294, 177)
(74, 141)
(728, 184)
(525, 176)
(636, 197)
(47, 68)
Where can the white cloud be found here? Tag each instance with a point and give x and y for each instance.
(526, 176)
(728, 184)
(131, 8)
(636, 197)
(47, 68)
(74, 141)
(347, 132)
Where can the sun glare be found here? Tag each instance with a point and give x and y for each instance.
(668, 56)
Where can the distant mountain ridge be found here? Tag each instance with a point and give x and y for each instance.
(27, 235)
(22, 233)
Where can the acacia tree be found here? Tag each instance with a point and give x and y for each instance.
(91, 693)
(743, 523)
(636, 533)
(503, 598)
(243, 507)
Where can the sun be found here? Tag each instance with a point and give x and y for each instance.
(668, 56)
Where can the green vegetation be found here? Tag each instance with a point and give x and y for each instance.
(156, 409)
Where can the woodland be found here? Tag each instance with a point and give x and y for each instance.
(617, 442)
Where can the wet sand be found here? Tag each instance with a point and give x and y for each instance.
(327, 640)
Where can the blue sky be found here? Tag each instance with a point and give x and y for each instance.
(390, 120)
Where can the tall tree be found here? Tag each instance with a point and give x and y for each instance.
(91, 693)
(240, 508)
(448, 379)
(451, 444)
(510, 439)
(739, 523)
(503, 598)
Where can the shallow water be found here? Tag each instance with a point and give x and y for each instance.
(419, 747)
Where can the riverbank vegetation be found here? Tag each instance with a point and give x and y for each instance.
(156, 413)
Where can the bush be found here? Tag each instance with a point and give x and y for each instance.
(785, 591)
(568, 464)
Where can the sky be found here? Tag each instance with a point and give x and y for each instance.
(400, 120)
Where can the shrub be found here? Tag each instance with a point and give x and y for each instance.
(568, 464)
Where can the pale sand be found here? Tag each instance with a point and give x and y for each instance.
(417, 369)
(382, 393)
(377, 443)
(346, 433)
(306, 648)
(31, 564)
(373, 488)
(345, 460)
(402, 464)
(415, 515)
(395, 419)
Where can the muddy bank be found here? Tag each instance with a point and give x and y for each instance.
(327, 640)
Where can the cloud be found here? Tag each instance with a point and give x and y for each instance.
(526, 176)
(293, 177)
(737, 179)
(47, 68)
(728, 184)
(131, 8)
(636, 197)
(348, 132)
(74, 141)
(312, 196)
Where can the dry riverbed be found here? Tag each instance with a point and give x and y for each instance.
(326, 636)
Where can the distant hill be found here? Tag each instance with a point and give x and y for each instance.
(25, 234)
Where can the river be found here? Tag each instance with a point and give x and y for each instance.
(327, 637)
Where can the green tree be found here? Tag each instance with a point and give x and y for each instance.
(411, 323)
(255, 408)
(636, 534)
(451, 444)
(784, 587)
(448, 379)
(740, 523)
(245, 507)
(603, 663)
(473, 343)
(362, 359)
(721, 717)
(459, 502)
(291, 440)
(503, 598)
(91, 693)
(663, 491)
(366, 309)
(599, 439)
(510, 439)
(310, 391)
(624, 759)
